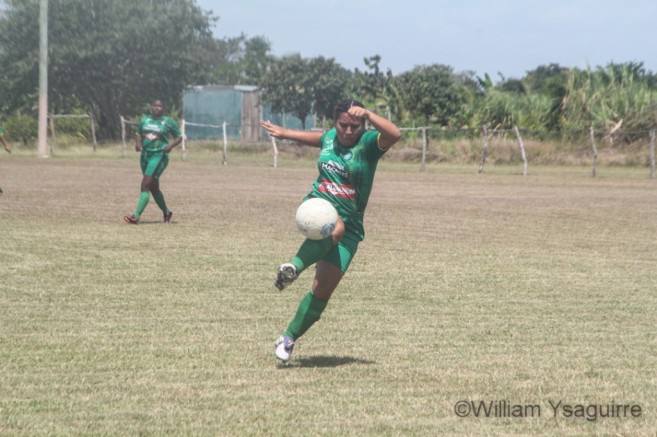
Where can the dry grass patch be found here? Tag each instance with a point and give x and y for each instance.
(468, 287)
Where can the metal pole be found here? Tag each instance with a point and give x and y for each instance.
(43, 78)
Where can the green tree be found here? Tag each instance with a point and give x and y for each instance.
(434, 93)
(19, 67)
(547, 80)
(256, 60)
(239, 60)
(377, 89)
(109, 57)
(302, 86)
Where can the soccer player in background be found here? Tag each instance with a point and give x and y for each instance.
(152, 140)
(347, 163)
(5, 144)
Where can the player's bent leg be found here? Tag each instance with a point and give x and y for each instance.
(158, 196)
(310, 252)
(309, 311)
(328, 274)
(327, 278)
(144, 196)
(311, 307)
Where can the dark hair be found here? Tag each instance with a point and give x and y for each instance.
(344, 105)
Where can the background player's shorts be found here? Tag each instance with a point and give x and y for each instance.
(153, 163)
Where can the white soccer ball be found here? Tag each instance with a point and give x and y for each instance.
(316, 218)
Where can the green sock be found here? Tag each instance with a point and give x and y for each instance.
(141, 204)
(159, 199)
(309, 311)
(310, 252)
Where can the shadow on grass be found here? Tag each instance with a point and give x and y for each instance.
(151, 222)
(325, 361)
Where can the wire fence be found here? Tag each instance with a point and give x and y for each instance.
(484, 137)
(484, 140)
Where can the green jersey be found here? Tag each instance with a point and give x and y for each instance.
(346, 176)
(155, 132)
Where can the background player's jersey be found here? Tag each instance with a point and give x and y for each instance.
(346, 176)
(155, 132)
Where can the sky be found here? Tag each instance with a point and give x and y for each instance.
(503, 38)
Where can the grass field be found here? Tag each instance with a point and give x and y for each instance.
(510, 292)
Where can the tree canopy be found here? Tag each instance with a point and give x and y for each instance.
(111, 57)
(302, 86)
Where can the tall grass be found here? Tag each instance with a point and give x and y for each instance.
(503, 110)
(614, 99)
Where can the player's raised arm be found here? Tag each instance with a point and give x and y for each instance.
(309, 138)
(390, 133)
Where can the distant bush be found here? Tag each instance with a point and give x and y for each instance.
(22, 128)
(75, 127)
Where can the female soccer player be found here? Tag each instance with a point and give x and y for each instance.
(347, 163)
(152, 140)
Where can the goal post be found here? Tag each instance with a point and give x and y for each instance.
(53, 128)
(124, 133)
(212, 127)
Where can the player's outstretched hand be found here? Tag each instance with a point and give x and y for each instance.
(273, 129)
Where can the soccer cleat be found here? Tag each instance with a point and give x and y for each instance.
(285, 275)
(131, 219)
(167, 216)
(284, 346)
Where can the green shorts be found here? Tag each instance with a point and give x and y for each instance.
(342, 253)
(153, 163)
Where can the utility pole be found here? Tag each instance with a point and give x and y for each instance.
(43, 78)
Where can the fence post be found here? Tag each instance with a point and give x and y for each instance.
(595, 152)
(123, 134)
(184, 139)
(225, 160)
(425, 143)
(522, 151)
(484, 152)
(273, 145)
(652, 154)
(93, 130)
